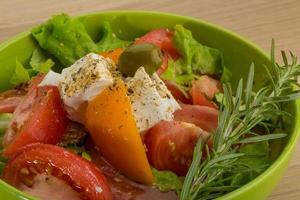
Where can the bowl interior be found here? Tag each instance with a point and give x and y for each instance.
(238, 54)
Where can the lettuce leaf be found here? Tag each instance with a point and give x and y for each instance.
(39, 62)
(167, 181)
(79, 150)
(65, 38)
(20, 74)
(175, 74)
(256, 160)
(109, 41)
(196, 59)
(4, 123)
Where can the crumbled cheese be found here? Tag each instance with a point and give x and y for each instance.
(150, 99)
(82, 81)
(85, 79)
(52, 78)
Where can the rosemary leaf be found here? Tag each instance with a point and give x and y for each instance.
(261, 138)
(239, 115)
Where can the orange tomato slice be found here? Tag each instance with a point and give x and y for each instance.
(112, 127)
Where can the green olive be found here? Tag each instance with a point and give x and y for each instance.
(135, 56)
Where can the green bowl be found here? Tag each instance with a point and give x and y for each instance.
(238, 54)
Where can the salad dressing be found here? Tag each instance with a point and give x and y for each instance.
(122, 187)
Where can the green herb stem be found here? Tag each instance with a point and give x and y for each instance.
(238, 116)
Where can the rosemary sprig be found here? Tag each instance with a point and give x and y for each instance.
(238, 116)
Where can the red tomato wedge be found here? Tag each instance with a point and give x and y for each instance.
(163, 39)
(201, 116)
(40, 117)
(164, 65)
(170, 145)
(10, 99)
(176, 93)
(203, 91)
(40, 168)
(9, 104)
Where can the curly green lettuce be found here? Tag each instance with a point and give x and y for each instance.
(196, 59)
(38, 63)
(109, 40)
(20, 75)
(65, 38)
(167, 181)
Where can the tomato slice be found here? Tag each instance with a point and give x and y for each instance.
(164, 65)
(10, 99)
(163, 39)
(203, 91)
(37, 163)
(170, 145)
(40, 117)
(176, 93)
(202, 116)
(9, 104)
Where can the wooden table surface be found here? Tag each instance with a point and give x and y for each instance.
(257, 20)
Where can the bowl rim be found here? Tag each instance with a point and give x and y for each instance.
(287, 149)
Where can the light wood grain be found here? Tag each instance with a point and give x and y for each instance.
(257, 20)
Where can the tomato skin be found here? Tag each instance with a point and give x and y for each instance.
(170, 145)
(10, 99)
(203, 91)
(164, 65)
(177, 94)
(82, 173)
(36, 80)
(39, 118)
(8, 105)
(202, 116)
(163, 38)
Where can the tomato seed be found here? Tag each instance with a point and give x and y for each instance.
(24, 171)
(35, 162)
(33, 170)
(49, 170)
(28, 182)
(116, 179)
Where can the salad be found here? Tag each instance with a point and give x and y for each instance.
(153, 118)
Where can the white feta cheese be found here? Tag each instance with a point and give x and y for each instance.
(150, 99)
(51, 78)
(83, 80)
